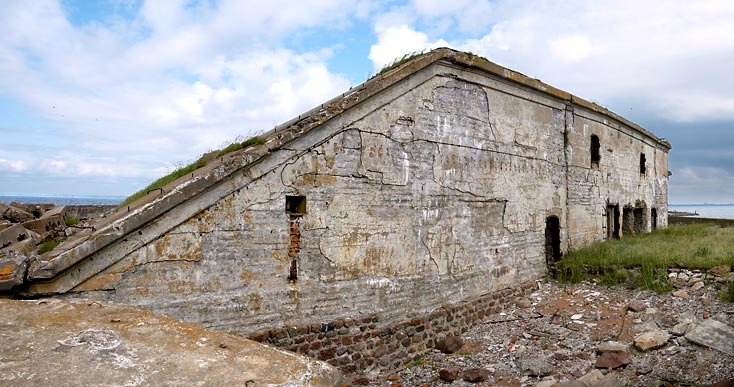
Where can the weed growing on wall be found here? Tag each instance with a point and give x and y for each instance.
(201, 162)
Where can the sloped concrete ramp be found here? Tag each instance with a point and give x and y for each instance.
(81, 343)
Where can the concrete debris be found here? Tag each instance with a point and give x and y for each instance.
(13, 267)
(612, 346)
(714, 334)
(475, 375)
(651, 340)
(449, 374)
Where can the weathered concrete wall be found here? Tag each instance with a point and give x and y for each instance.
(436, 192)
(431, 192)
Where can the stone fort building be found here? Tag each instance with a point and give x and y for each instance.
(368, 228)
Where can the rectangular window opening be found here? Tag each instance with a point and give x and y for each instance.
(595, 150)
(643, 164)
(295, 205)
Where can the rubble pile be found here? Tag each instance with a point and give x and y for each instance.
(592, 335)
(28, 230)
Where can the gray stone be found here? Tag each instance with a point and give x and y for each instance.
(609, 346)
(680, 329)
(697, 285)
(535, 365)
(680, 294)
(714, 334)
(547, 383)
(651, 340)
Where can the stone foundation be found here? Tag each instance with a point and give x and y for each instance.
(364, 345)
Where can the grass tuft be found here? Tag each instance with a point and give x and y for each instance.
(71, 220)
(397, 62)
(47, 246)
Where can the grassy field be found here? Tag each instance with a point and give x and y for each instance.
(643, 261)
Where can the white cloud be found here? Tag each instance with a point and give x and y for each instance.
(165, 87)
(651, 50)
(395, 41)
(14, 166)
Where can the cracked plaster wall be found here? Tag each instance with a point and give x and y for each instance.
(434, 191)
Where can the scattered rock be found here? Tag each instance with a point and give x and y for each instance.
(724, 383)
(680, 294)
(697, 285)
(393, 377)
(449, 344)
(612, 359)
(636, 306)
(361, 381)
(523, 303)
(536, 365)
(547, 383)
(722, 270)
(610, 346)
(714, 334)
(651, 340)
(448, 374)
(475, 375)
(681, 329)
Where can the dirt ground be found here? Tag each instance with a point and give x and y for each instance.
(553, 336)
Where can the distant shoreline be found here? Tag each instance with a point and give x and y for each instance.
(62, 200)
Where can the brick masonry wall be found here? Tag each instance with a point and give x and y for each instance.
(363, 344)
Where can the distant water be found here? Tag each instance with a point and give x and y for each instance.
(706, 211)
(63, 200)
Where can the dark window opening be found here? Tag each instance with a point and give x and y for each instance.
(295, 205)
(628, 222)
(654, 218)
(552, 242)
(640, 220)
(613, 221)
(595, 150)
(643, 166)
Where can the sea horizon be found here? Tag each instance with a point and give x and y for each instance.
(62, 200)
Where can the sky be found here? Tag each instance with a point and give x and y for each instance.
(102, 97)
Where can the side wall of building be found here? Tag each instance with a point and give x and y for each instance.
(437, 190)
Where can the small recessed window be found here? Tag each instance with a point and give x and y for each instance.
(595, 150)
(295, 205)
(643, 162)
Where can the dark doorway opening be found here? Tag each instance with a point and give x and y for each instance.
(643, 164)
(654, 218)
(628, 222)
(613, 221)
(552, 242)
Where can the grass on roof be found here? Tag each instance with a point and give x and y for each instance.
(397, 62)
(201, 162)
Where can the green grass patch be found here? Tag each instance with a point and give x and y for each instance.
(71, 220)
(47, 246)
(241, 145)
(727, 293)
(397, 62)
(185, 170)
(642, 261)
